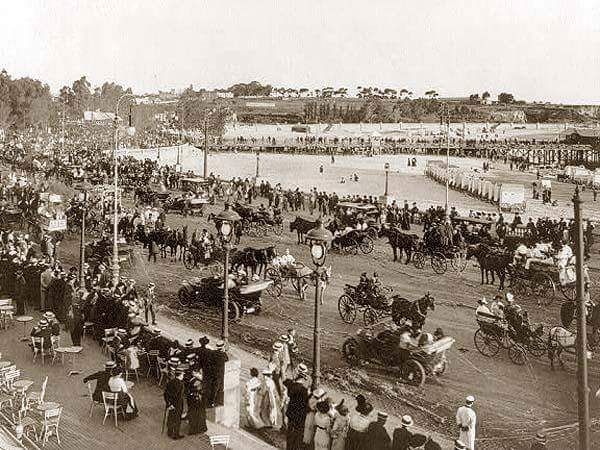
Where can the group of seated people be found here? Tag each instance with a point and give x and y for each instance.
(515, 317)
(544, 253)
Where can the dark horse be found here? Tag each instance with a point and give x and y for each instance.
(491, 260)
(415, 311)
(254, 260)
(302, 226)
(400, 242)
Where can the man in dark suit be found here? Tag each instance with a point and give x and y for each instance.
(296, 410)
(402, 435)
(216, 374)
(174, 395)
(378, 437)
(101, 378)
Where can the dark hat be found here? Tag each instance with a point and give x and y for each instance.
(432, 445)
(417, 440)
(203, 340)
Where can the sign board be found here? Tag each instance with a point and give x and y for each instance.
(56, 225)
(512, 194)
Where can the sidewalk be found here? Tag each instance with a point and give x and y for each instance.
(79, 431)
(173, 329)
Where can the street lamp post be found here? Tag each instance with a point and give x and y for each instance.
(225, 222)
(445, 114)
(83, 188)
(115, 259)
(387, 171)
(319, 239)
(257, 164)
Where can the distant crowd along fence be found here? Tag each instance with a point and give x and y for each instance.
(508, 196)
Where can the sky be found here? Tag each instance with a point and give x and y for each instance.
(539, 50)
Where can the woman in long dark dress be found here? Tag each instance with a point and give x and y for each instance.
(196, 405)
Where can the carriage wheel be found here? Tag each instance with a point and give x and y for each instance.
(275, 289)
(366, 245)
(273, 274)
(569, 291)
(543, 288)
(189, 261)
(351, 247)
(459, 261)
(537, 347)
(246, 226)
(517, 354)
(350, 351)
(183, 297)
(486, 345)
(418, 260)
(233, 313)
(347, 308)
(438, 263)
(372, 233)
(413, 372)
(370, 316)
(397, 310)
(517, 284)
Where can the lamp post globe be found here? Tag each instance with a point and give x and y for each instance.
(319, 239)
(224, 222)
(386, 167)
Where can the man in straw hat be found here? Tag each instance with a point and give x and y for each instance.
(466, 420)
(378, 437)
(402, 434)
(101, 378)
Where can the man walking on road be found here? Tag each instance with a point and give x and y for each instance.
(466, 419)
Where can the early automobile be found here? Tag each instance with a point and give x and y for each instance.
(244, 298)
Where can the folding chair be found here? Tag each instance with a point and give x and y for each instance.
(163, 368)
(219, 439)
(38, 348)
(88, 326)
(152, 356)
(111, 406)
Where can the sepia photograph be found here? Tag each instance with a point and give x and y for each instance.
(301, 225)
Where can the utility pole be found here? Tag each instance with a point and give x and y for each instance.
(205, 147)
(582, 376)
(257, 164)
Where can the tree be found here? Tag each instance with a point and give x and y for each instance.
(485, 96)
(252, 89)
(505, 98)
(82, 96)
(431, 94)
(474, 98)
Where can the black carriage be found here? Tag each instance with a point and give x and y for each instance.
(206, 259)
(540, 281)
(186, 205)
(495, 333)
(148, 196)
(374, 303)
(11, 217)
(208, 291)
(348, 213)
(258, 223)
(439, 257)
(353, 241)
(102, 252)
(383, 349)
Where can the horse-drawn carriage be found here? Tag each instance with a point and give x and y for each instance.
(383, 349)
(297, 274)
(540, 281)
(352, 241)
(208, 259)
(243, 298)
(439, 257)
(495, 333)
(258, 223)
(347, 214)
(148, 196)
(376, 304)
(102, 252)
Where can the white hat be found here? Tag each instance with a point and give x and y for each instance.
(267, 371)
(470, 399)
(277, 346)
(509, 297)
(319, 393)
(407, 420)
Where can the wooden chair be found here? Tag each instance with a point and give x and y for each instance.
(29, 424)
(6, 316)
(8, 380)
(152, 356)
(50, 424)
(91, 394)
(38, 348)
(219, 439)
(111, 406)
(126, 364)
(35, 398)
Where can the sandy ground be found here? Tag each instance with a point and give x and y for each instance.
(513, 402)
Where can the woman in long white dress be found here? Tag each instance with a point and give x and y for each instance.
(322, 422)
(309, 422)
(251, 409)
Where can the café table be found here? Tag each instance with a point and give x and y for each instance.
(22, 385)
(24, 320)
(4, 309)
(73, 352)
(5, 364)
